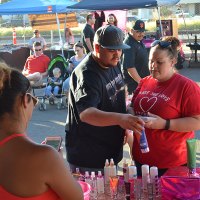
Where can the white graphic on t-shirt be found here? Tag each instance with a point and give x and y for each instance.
(147, 103)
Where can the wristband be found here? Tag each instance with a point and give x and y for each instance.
(167, 125)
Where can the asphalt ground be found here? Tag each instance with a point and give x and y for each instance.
(52, 121)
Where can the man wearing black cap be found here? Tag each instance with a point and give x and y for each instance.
(97, 118)
(135, 59)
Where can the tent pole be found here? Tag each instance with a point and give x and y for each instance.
(65, 27)
(24, 27)
(58, 24)
(161, 31)
(51, 37)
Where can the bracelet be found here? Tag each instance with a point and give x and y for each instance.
(167, 125)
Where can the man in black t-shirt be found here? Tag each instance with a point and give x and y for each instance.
(135, 59)
(97, 118)
(88, 33)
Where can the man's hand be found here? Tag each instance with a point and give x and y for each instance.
(131, 122)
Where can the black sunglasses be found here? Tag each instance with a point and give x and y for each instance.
(38, 49)
(35, 100)
(162, 44)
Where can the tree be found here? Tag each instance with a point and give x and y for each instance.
(3, 1)
(165, 11)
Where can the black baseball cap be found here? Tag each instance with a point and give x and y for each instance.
(110, 37)
(35, 31)
(139, 26)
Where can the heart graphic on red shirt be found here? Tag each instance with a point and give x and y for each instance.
(147, 103)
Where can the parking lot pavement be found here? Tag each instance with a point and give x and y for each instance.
(52, 121)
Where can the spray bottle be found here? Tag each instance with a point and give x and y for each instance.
(106, 172)
(112, 168)
(87, 177)
(93, 193)
(100, 183)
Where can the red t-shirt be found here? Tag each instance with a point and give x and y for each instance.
(37, 64)
(175, 98)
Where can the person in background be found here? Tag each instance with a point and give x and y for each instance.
(88, 33)
(36, 66)
(97, 119)
(37, 38)
(73, 63)
(69, 38)
(135, 59)
(54, 83)
(37, 171)
(174, 102)
(99, 19)
(112, 19)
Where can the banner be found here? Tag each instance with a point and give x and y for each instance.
(47, 22)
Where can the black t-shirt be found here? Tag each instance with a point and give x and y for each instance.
(136, 56)
(93, 86)
(88, 32)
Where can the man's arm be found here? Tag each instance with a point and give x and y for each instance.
(24, 72)
(44, 74)
(44, 44)
(44, 47)
(134, 74)
(88, 43)
(97, 117)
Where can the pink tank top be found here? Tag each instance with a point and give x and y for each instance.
(4, 195)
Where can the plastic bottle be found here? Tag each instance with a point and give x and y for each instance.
(125, 171)
(100, 183)
(87, 177)
(80, 177)
(93, 193)
(143, 143)
(145, 177)
(132, 177)
(155, 181)
(132, 172)
(112, 168)
(106, 172)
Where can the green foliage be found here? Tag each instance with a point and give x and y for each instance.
(150, 26)
(190, 25)
(165, 11)
(4, 1)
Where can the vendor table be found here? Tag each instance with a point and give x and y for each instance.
(194, 47)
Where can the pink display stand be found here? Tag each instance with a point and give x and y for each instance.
(176, 184)
(147, 42)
